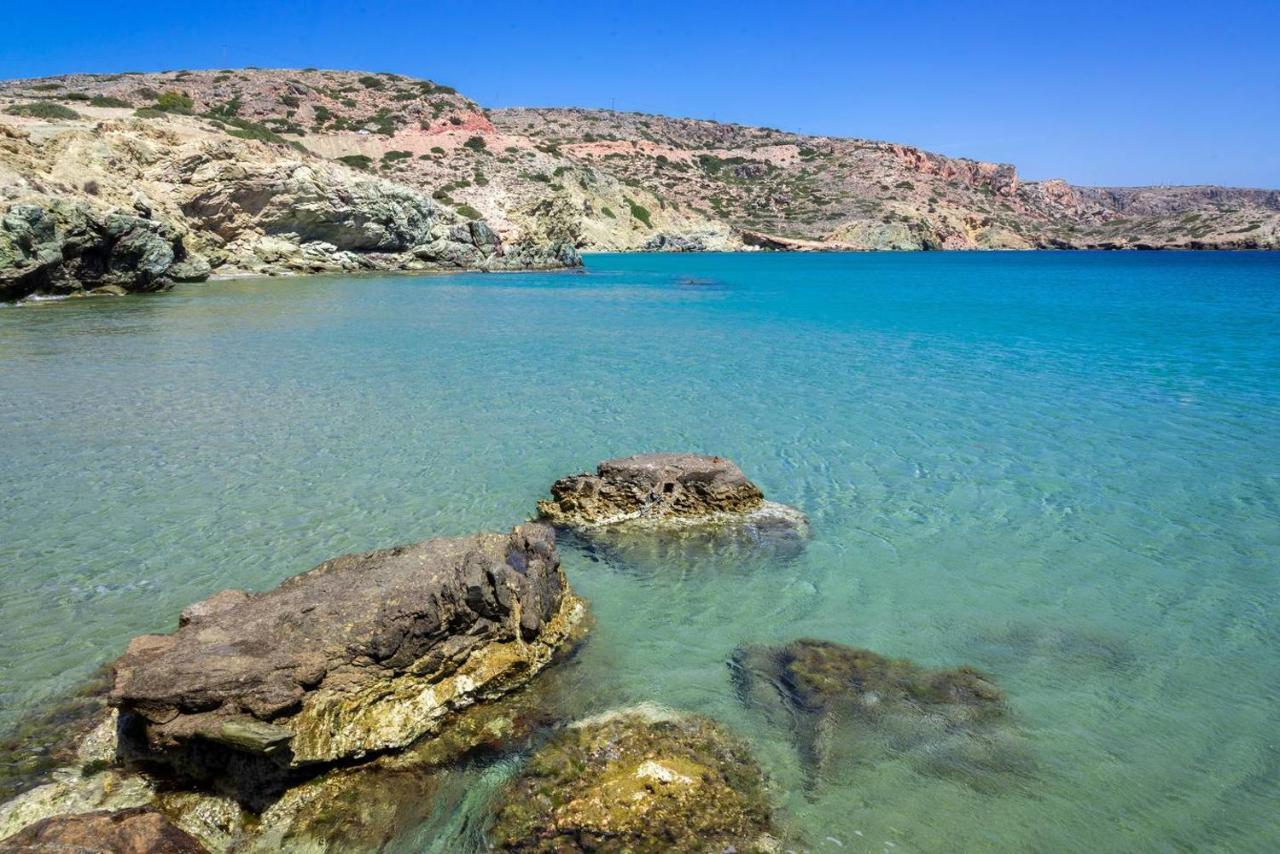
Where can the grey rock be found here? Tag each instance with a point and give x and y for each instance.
(57, 248)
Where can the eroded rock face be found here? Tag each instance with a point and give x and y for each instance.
(637, 781)
(61, 248)
(673, 509)
(656, 486)
(363, 654)
(847, 706)
(131, 831)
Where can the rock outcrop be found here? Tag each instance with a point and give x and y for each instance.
(140, 830)
(637, 781)
(696, 503)
(65, 249)
(844, 704)
(363, 654)
(542, 178)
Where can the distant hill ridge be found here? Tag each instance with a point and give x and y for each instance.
(597, 179)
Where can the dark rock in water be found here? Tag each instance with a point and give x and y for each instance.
(637, 781)
(63, 248)
(847, 706)
(674, 243)
(131, 831)
(363, 654)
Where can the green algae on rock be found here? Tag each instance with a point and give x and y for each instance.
(639, 782)
(848, 706)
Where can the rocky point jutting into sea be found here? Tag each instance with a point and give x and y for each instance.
(129, 182)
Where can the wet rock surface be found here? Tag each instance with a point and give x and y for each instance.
(67, 249)
(652, 487)
(363, 654)
(637, 781)
(847, 707)
(139, 830)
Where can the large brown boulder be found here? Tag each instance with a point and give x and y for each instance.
(362, 654)
(133, 831)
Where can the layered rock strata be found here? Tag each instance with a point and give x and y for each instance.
(364, 654)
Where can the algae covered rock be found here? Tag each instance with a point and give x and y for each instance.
(363, 654)
(637, 781)
(140, 830)
(847, 706)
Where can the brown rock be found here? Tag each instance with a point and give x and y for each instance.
(133, 831)
(653, 486)
(363, 654)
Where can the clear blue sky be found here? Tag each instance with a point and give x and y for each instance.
(1095, 92)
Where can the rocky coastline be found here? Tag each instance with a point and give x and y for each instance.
(328, 713)
(283, 172)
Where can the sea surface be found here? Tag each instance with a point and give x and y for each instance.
(1060, 468)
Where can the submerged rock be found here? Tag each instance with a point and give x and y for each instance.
(662, 490)
(139, 830)
(848, 706)
(639, 782)
(364, 807)
(363, 654)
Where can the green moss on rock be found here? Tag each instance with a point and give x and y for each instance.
(637, 782)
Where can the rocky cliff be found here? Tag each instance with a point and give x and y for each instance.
(269, 171)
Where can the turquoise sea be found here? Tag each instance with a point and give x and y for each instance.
(1061, 468)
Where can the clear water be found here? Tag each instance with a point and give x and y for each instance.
(1061, 468)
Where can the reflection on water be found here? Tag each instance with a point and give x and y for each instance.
(1060, 469)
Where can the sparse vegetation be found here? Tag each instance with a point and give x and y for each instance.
(356, 161)
(174, 102)
(475, 143)
(108, 101)
(640, 213)
(42, 110)
(368, 81)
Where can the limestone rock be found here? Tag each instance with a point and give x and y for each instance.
(660, 489)
(133, 831)
(637, 782)
(365, 653)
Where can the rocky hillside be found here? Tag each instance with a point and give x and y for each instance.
(786, 190)
(276, 171)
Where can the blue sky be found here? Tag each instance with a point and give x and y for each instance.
(1098, 93)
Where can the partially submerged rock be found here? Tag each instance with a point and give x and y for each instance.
(637, 782)
(848, 706)
(662, 490)
(363, 654)
(140, 830)
(363, 807)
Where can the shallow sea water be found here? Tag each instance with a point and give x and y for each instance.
(1063, 469)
